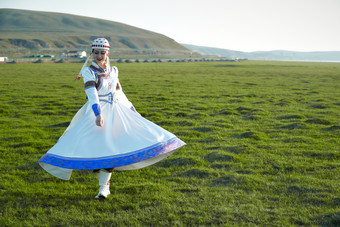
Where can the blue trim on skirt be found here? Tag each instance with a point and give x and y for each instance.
(114, 160)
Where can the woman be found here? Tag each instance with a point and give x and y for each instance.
(107, 132)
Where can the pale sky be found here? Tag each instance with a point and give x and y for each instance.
(243, 25)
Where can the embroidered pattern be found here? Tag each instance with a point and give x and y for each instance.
(114, 160)
(99, 74)
(90, 84)
(106, 98)
(133, 109)
(99, 81)
(96, 69)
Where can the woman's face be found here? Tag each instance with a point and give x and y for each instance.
(100, 56)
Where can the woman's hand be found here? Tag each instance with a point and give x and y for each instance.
(99, 120)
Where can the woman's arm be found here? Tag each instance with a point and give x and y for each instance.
(92, 95)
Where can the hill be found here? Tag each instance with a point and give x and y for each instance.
(25, 31)
(268, 55)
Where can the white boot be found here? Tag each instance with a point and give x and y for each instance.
(104, 184)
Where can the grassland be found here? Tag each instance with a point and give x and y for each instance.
(262, 146)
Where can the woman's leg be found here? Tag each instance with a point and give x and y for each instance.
(104, 177)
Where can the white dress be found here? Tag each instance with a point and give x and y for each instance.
(127, 141)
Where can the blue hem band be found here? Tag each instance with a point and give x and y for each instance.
(114, 160)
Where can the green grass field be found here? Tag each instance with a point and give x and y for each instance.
(262, 146)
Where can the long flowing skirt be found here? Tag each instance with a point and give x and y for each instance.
(126, 141)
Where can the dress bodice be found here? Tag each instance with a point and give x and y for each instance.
(106, 81)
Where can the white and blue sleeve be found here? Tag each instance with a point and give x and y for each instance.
(90, 90)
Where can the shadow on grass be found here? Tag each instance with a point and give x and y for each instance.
(250, 135)
(332, 219)
(202, 129)
(294, 126)
(333, 128)
(60, 125)
(318, 121)
(318, 106)
(196, 173)
(176, 162)
(236, 149)
(226, 112)
(290, 117)
(30, 166)
(215, 156)
(33, 144)
(228, 181)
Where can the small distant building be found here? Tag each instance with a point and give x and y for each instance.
(39, 56)
(3, 59)
(74, 54)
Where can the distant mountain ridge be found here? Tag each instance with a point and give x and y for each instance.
(25, 30)
(268, 55)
